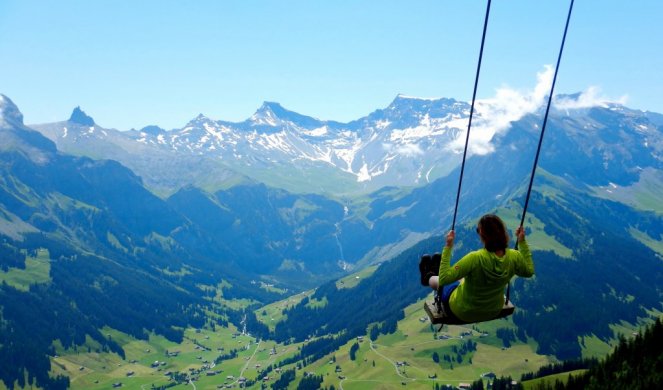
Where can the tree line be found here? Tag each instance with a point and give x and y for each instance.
(635, 363)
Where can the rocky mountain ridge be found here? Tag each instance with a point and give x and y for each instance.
(402, 144)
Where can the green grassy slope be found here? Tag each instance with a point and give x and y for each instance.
(550, 379)
(404, 358)
(37, 271)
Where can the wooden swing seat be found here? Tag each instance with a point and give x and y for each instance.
(437, 314)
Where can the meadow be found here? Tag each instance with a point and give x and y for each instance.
(216, 357)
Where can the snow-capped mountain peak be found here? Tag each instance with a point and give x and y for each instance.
(412, 141)
(267, 114)
(273, 114)
(199, 120)
(403, 97)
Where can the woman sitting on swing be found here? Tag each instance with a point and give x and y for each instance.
(480, 295)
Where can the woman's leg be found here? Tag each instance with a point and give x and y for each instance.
(434, 282)
(448, 289)
(429, 267)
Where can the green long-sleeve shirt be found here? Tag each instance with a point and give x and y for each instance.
(480, 296)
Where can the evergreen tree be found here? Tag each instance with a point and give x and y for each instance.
(374, 333)
(634, 364)
(353, 351)
(310, 382)
(477, 385)
(286, 377)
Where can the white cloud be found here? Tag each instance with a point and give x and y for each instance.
(591, 97)
(407, 150)
(495, 115)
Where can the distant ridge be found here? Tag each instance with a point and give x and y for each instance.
(79, 116)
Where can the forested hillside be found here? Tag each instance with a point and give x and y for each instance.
(86, 246)
(636, 363)
(91, 248)
(604, 265)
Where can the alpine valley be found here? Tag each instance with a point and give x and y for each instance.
(282, 251)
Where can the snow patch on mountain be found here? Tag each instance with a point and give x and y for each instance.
(411, 134)
(430, 99)
(363, 174)
(348, 154)
(382, 124)
(411, 141)
(276, 141)
(265, 118)
(319, 132)
(428, 174)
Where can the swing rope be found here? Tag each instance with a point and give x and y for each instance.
(438, 295)
(469, 125)
(543, 130)
(545, 117)
(506, 310)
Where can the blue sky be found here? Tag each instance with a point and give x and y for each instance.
(136, 63)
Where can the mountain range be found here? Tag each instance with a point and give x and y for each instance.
(281, 148)
(143, 229)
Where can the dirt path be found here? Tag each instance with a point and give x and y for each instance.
(398, 371)
(246, 366)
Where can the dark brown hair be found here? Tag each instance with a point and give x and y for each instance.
(493, 233)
